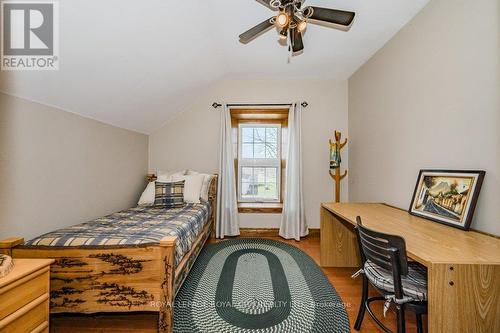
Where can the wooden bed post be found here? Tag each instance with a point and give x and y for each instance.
(167, 292)
(212, 197)
(6, 245)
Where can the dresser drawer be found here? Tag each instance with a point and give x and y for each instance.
(23, 291)
(43, 328)
(31, 317)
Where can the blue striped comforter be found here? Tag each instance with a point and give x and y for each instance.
(134, 226)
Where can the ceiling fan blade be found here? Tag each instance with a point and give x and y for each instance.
(297, 44)
(256, 31)
(334, 16)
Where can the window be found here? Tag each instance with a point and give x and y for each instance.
(259, 162)
(259, 138)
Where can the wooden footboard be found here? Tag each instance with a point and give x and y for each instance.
(108, 279)
(117, 279)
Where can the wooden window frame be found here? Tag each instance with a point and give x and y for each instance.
(263, 116)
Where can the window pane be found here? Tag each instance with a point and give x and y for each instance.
(272, 135)
(259, 190)
(247, 150)
(271, 175)
(247, 175)
(271, 150)
(247, 191)
(259, 150)
(247, 134)
(270, 191)
(259, 175)
(259, 134)
(259, 183)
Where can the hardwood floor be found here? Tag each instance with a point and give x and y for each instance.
(349, 290)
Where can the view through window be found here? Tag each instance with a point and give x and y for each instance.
(259, 166)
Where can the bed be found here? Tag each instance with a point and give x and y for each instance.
(133, 260)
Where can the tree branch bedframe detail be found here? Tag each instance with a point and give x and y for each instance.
(118, 278)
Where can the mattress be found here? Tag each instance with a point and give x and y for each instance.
(135, 226)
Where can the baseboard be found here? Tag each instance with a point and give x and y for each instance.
(270, 232)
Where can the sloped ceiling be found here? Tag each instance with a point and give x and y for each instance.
(135, 64)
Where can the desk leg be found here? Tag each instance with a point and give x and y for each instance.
(339, 247)
(464, 298)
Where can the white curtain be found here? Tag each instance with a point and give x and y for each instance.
(293, 219)
(227, 215)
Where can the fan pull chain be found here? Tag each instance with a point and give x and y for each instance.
(289, 42)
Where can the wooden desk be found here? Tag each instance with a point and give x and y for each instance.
(463, 266)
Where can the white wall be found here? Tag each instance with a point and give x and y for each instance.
(430, 99)
(191, 141)
(59, 169)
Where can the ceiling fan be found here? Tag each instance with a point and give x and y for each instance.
(292, 19)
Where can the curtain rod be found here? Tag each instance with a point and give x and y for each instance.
(215, 105)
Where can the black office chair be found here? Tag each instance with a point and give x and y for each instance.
(385, 266)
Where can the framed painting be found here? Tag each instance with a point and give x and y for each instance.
(447, 196)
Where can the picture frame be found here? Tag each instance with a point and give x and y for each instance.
(447, 196)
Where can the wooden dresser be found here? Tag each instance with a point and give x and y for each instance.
(24, 296)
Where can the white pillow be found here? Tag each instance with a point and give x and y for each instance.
(192, 188)
(206, 187)
(206, 183)
(148, 196)
(163, 174)
(166, 177)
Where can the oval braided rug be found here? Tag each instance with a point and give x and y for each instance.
(254, 286)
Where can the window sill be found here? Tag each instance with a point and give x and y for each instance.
(260, 207)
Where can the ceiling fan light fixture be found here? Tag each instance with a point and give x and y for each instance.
(282, 20)
(292, 19)
(308, 12)
(284, 33)
(302, 25)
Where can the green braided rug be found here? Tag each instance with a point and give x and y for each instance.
(257, 286)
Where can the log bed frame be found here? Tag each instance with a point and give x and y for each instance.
(118, 278)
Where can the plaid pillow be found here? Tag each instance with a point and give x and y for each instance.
(169, 195)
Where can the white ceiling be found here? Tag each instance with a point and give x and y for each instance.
(134, 64)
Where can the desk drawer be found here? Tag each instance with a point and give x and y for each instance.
(29, 318)
(19, 293)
